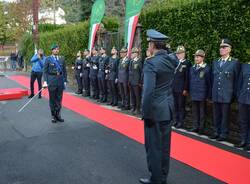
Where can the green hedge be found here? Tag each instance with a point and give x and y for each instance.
(49, 27)
(70, 38)
(200, 24)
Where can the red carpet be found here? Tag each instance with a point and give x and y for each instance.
(12, 93)
(223, 165)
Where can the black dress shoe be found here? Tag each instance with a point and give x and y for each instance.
(58, 118)
(247, 147)
(214, 136)
(148, 181)
(241, 144)
(53, 119)
(221, 139)
(201, 131)
(194, 130)
(179, 125)
(39, 97)
(31, 96)
(144, 181)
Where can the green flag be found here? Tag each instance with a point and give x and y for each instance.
(97, 13)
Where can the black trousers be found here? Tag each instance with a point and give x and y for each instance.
(135, 93)
(124, 92)
(113, 92)
(221, 112)
(79, 83)
(55, 99)
(36, 76)
(179, 106)
(94, 87)
(86, 83)
(157, 145)
(244, 116)
(102, 83)
(198, 108)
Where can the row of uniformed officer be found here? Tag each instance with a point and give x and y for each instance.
(116, 76)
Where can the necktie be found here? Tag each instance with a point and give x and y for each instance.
(222, 63)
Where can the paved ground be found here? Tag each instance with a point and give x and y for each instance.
(79, 151)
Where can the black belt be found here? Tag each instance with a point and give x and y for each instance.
(58, 73)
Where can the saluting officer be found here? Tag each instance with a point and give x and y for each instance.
(55, 78)
(85, 72)
(93, 74)
(78, 72)
(37, 61)
(225, 75)
(180, 86)
(157, 107)
(200, 87)
(112, 75)
(102, 82)
(135, 81)
(123, 79)
(244, 106)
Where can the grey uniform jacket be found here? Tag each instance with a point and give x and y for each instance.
(157, 98)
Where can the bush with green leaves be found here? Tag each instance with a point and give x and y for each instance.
(71, 39)
(49, 27)
(201, 24)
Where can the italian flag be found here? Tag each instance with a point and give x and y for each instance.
(131, 32)
(93, 32)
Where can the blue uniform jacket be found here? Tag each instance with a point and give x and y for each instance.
(181, 78)
(52, 75)
(157, 98)
(94, 64)
(244, 84)
(113, 68)
(224, 80)
(103, 63)
(37, 63)
(78, 66)
(200, 83)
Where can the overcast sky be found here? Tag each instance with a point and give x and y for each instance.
(8, 0)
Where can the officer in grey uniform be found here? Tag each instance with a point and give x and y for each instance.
(94, 64)
(224, 78)
(102, 82)
(85, 72)
(55, 78)
(244, 106)
(123, 79)
(157, 107)
(78, 72)
(112, 76)
(135, 81)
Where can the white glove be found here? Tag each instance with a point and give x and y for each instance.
(88, 65)
(45, 85)
(65, 84)
(80, 74)
(79, 67)
(116, 81)
(73, 67)
(95, 67)
(106, 71)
